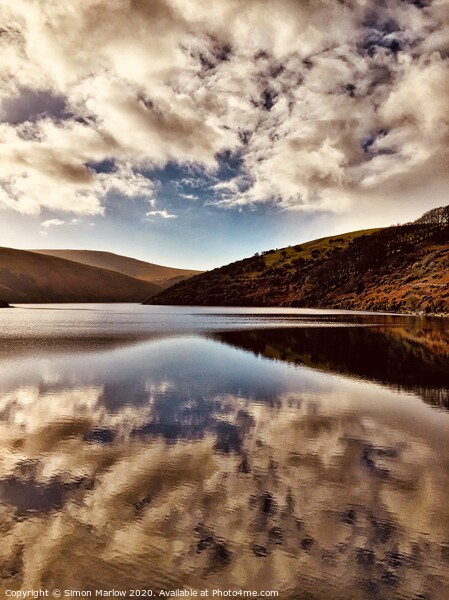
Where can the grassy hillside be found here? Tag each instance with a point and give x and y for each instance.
(401, 269)
(29, 277)
(158, 274)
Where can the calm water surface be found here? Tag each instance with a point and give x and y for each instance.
(257, 449)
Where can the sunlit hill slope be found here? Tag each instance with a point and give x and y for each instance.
(30, 277)
(158, 274)
(400, 269)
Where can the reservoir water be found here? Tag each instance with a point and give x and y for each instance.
(158, 449)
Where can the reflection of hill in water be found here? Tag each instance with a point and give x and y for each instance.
(184, 462)
(411, 355)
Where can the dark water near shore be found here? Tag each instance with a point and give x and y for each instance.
(161, 447)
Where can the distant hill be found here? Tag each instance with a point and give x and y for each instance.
(30, 277)
(139, 269)
(399, 269)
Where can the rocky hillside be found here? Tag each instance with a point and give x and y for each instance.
(29, 277)
(400, 269)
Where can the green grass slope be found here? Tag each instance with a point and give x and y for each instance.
(139, 269)
(29, 277)
(400, 269)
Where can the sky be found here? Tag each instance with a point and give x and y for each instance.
(192, 133)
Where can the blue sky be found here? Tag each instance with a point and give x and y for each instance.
(194, 135)
(202, 235)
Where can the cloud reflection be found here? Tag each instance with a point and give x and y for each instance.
(189, 462)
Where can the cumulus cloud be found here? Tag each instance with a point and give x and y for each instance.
(326, 105)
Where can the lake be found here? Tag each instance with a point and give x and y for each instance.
(151, 448)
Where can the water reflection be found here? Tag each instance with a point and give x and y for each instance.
(189, 461)
(411, 354)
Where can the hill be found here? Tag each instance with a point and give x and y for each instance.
(29, 277)
(404, 268)
(139, 269)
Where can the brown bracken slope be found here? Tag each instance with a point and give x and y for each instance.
(29, 277)
(399, 269)
(139, 269)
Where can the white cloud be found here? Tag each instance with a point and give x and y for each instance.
(52, 223)
(295, 92)
(161, 213)
(188, 196)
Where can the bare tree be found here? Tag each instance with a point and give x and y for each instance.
(437, 216)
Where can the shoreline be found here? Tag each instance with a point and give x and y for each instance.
(346, 308)
(442, 315)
